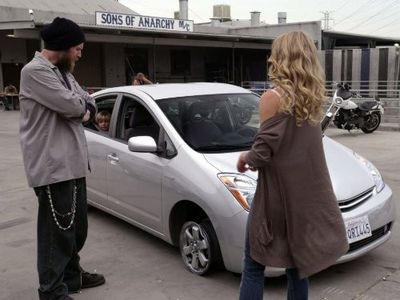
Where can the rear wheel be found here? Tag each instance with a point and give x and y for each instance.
(199, 247)
(371, 122)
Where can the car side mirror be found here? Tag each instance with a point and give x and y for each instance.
(142, 144)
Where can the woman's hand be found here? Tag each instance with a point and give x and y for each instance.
(242, 163)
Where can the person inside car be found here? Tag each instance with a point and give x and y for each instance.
(103, 121)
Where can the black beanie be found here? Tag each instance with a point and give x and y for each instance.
(62, 34)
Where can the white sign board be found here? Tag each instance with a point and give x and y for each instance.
(142, 22)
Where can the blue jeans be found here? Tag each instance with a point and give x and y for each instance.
(252, 284)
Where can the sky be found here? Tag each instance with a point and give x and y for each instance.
(373, 17)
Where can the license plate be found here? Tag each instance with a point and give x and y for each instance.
(358, 229)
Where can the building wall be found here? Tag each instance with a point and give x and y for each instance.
(163, 65)
(11, 51)
(198, 64)
(366, 69)
(391, 67)
(356, 68)
(337, 66)
(114, 65)
(373, 68)
(311, 28)
(89, 70)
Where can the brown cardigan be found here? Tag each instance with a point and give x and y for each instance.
(295, 220)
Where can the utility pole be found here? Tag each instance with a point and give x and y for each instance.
(326, 19)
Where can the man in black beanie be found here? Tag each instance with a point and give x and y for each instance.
(53, 107)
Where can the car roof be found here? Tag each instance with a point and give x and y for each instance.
(175, 90)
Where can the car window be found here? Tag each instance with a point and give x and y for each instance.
(105, 107)
(134, 119)
(214, 122)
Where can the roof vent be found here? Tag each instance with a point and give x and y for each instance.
(282, 16)
(222, 12)
(255, 18)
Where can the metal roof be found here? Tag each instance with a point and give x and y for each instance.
(175, 90)
(341, 40)
(15, 14)
(79, 7)
(356, 36)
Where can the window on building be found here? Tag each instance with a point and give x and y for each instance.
(180, 62)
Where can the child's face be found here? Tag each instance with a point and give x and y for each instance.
(104, 124)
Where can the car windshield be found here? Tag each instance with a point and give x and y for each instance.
(214, 123)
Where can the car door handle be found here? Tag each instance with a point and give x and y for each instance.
(113, 157)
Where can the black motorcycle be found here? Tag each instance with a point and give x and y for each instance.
(348, 115)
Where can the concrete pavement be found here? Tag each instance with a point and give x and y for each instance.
(139, 266)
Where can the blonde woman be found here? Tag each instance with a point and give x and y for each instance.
(295, 222)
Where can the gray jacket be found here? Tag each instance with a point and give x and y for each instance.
(53, 141)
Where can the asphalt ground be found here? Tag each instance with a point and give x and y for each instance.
(140, 266)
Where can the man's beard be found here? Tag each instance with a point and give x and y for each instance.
(66, 64)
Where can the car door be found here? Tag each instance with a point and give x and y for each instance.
(98, 148)
(134, 180)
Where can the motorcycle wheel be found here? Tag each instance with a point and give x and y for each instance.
(325, 123)
(371, 123)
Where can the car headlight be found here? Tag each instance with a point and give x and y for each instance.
(376, 175)
(241, 186)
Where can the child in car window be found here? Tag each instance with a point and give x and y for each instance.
(103, 120)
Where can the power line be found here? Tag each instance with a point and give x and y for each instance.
(387, 25)
(356, 11)
(396, 14)
(373, 16)
(368, 20)
(345, 2)
(196, 15)
(386, 17)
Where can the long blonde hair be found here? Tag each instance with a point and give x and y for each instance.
(296, 72)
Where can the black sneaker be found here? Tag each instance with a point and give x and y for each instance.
(90, 280)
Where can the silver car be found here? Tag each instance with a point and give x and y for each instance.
(168, 166)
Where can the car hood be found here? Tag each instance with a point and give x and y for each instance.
(349, 176)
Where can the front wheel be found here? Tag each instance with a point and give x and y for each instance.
(371, 122)
(199, 247)
(325, 122)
